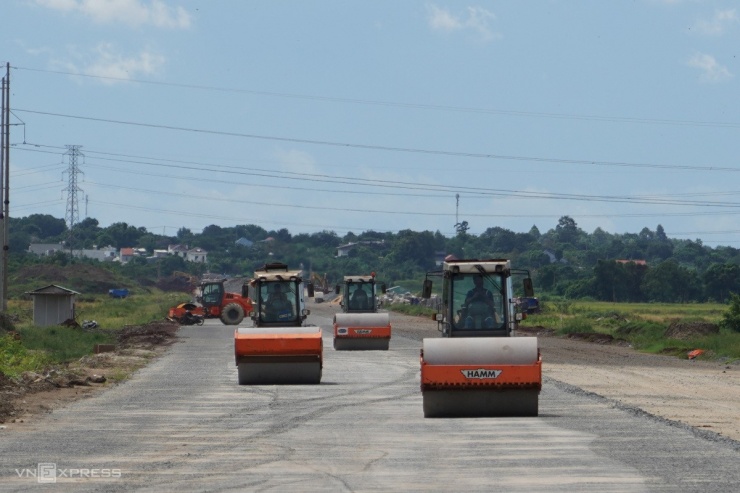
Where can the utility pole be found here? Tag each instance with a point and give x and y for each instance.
(4, 187)
(457, 207)
(72, 215)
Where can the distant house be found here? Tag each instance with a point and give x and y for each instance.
(104, 254)
(553, 258)
(197, 255)
(637, 262)
(439, 258)
(244, 242)
(126, 255)
(52, 305)
(160, 253)
(343, 250)
(179, 250)
(43, 249)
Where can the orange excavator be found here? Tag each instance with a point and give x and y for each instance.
(279, 348)
(477, 367)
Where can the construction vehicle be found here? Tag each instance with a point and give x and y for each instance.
(279, 348)
(230, 307)
(360, 325)
(477, 367)
(186, 314)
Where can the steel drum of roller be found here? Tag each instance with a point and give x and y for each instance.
(362, 331)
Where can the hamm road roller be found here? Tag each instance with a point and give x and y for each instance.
(360, 325)
(278, 348)
(477, 368)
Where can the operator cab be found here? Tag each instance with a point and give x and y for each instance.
(278, 302)
(359, 294)
(477, 298)
(211, 294)
(477, 303)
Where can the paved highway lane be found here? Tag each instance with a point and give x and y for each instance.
(183, 424)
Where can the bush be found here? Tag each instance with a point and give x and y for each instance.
(576, 325)
(15, 359)
(731, 318)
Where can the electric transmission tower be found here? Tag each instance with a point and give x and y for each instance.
(72, 216)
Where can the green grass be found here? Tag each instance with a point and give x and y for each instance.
(413, 310)
(63, 344)
(15, 358)
(642, 324)
(42, 346)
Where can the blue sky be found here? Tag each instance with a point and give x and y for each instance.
(355, 116)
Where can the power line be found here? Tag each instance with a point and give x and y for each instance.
(490, 111)
(390, 148)
(395, 184)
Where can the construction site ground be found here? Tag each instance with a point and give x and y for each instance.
(701, 394)
(37, 393)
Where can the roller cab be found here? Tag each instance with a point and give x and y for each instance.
(478, 368)
(279, 348)
(360, 326)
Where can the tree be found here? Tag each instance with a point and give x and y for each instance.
(462, 228)
(720, 280)
(124, 235)
(670, 283)
(731, 318)
(567, 230)
(414, 247)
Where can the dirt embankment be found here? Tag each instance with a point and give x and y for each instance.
(40, 392)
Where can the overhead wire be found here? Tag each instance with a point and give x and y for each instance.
(493, 111)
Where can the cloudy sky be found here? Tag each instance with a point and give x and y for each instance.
(378, 115)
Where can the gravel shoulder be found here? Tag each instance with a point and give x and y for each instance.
(704, 395)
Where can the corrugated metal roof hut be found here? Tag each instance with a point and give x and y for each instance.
(52, 305)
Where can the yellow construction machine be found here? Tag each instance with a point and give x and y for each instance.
(477, 368)
(360, 325)
(279, 348)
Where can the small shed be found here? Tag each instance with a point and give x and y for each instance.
(52, 305)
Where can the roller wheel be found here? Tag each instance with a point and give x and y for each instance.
(232, 314)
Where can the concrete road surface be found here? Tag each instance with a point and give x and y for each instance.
(183, 424)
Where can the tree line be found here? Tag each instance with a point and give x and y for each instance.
(564, 261)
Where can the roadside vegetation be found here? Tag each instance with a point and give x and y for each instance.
(659, 294)
(26, 347)
(662, 328)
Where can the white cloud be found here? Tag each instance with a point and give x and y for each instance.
(296, 161)
(115, 66)
(131, 12)
(718, 24)
(711, 70)
(475, 18)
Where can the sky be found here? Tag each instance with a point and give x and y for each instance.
(381, 115)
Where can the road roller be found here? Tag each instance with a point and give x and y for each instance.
(279, 348)
(477, 368)
(360, 326)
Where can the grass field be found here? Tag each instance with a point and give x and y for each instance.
(651, 327)
(32, 348)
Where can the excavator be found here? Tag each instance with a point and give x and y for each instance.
(360, 325)
(478, 368)
(279, 348)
